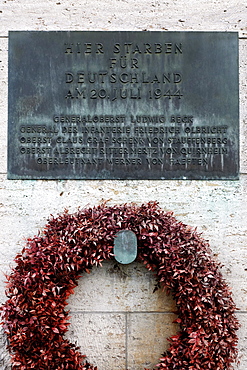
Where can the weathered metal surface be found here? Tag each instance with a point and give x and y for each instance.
(123, 105)
(125, 247)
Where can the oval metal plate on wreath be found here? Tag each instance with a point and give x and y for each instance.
(125, 246)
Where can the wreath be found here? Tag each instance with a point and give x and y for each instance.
(48, 268)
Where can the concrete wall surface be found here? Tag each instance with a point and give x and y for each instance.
(116, 317)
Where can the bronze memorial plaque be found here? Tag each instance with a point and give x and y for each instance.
(123, 105)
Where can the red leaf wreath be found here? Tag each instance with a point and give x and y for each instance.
(47, 271)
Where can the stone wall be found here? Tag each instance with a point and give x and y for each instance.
(115, 316)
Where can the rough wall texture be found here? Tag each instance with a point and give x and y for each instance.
(115, 315)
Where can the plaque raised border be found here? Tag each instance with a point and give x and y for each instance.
(123, 105)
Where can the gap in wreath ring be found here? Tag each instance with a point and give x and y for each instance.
(117, 315)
